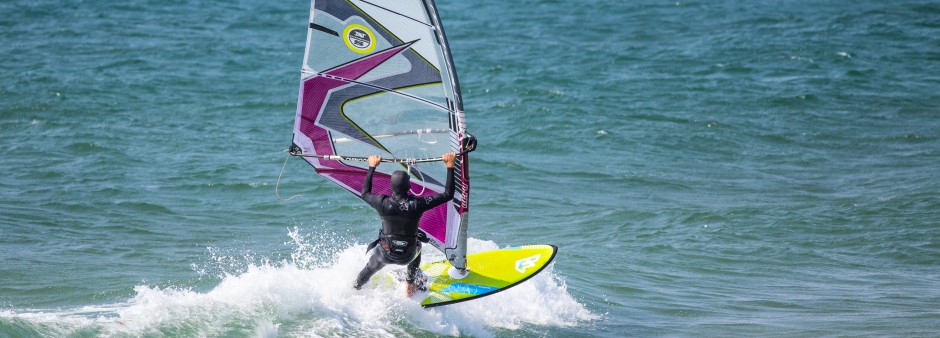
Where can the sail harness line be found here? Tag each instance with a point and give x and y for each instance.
(423, 187)
(278, 184)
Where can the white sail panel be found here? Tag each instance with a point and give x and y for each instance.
(408, 20)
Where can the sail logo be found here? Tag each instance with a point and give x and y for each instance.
(524, 264)
(359, 39)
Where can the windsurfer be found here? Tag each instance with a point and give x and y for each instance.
(400, 239)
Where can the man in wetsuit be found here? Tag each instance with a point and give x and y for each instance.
(400, 240)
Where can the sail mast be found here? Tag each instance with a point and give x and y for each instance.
(458, 255)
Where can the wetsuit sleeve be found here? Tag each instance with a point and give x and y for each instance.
(374, 200)
(429, 202)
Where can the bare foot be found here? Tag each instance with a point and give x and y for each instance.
(410, 290)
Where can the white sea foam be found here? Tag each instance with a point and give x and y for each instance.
(294, 299)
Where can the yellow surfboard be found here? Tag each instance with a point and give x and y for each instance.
(487, 273)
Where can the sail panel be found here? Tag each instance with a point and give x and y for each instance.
(377, 79)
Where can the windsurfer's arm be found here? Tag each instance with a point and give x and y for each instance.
(448, 194)
(367, 195)
(449, 160)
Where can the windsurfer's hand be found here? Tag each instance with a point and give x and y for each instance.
(449, 159)
(374, 160)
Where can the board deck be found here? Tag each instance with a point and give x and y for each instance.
(487, 273)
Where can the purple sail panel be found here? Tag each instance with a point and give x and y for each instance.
(353, 179)
(314, 93)
(434, 222)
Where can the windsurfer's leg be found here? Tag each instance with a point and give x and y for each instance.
(410, 287)
(413, 269)
(375, 264)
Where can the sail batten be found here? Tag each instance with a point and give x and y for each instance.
(396, 91)
(378, 79)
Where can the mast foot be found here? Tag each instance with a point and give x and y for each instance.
(456, 273)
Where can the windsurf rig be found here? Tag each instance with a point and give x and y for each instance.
(378, 79)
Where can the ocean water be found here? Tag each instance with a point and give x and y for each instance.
(706, 168)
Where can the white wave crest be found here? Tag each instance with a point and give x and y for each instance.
(293, 298)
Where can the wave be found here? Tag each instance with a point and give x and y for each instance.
(308, 294)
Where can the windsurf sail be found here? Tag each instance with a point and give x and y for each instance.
(378, 79)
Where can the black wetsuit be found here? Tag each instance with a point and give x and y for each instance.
(398, 241)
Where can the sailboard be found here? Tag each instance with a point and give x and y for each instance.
(487, 273)
(378, 79)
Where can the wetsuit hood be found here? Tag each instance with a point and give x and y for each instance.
(401, 183)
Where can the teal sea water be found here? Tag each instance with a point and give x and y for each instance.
(707, 169)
